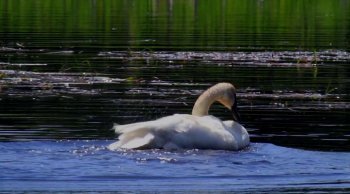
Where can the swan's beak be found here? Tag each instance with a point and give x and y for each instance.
(235, 113)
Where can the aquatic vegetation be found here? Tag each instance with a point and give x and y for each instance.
(2, 75)
(329, 89)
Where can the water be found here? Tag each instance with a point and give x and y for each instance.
(90, 166)
(70, 69)
(281, 100)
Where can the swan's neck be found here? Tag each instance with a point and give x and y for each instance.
(203, 103)
(223, 92)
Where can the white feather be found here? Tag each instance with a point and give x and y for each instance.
(182, 131)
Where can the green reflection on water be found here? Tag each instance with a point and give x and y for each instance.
(177, 24)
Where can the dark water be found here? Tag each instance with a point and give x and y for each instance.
(281, 101)
(70, 69)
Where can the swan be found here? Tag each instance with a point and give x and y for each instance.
(185, 131)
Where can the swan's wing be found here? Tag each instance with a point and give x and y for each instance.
(145, 135)
(209, 132)
(239, 132)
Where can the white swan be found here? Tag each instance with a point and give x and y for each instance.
(184, 131)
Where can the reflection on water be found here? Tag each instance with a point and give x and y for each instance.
(176, 24)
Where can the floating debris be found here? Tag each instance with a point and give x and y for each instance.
(69, 52)
(27, 64)
(267, 58)
(23, 83)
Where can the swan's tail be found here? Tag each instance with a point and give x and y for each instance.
(120, 129)
(115, 125)
(133, 136)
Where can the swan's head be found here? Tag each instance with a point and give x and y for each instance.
(225, 93)
(228, 99)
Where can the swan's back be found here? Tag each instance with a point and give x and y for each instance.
(182, 131)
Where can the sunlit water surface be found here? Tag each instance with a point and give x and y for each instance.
(90, 166)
